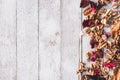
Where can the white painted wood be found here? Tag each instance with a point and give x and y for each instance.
(27, 39)
(49, 38)
(7, 39)
(70, 39)
(54, 41)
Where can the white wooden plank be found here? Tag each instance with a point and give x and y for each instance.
(7, 39)
(70, 39)
(49, 38)
(27, 39)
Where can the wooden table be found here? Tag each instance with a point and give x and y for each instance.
(39, 39)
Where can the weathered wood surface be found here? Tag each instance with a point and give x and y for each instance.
(8, 40)
(70, 28)
(39, 39)
(49, 40)
(27, 40)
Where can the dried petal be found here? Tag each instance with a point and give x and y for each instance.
(87, 23)
(84, 3)
(93, 43)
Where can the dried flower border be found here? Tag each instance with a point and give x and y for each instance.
(106, 44)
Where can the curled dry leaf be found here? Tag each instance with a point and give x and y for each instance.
(114, 30)
(115, 5)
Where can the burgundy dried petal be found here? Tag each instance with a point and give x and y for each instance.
(99, 54)
(94, 77)
(93, 53)
(93, 43)
(84, 3)
(96, 71)
(93, 4)
(93, 59)
(93, 10)
(110, 64)
(87, 23)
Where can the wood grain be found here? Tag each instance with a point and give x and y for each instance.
(50, 40)
(39, 39)
(70, 39)
(7, 39)
(27, 39)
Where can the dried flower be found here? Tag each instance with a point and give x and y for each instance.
(99, 54)
(93, 59)
(93, 4)
(96, 71)
(93, 10)
(84, 3)
(87, 23)
(93, 43)
(109, 64)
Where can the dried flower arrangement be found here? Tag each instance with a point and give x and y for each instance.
(106, 45)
